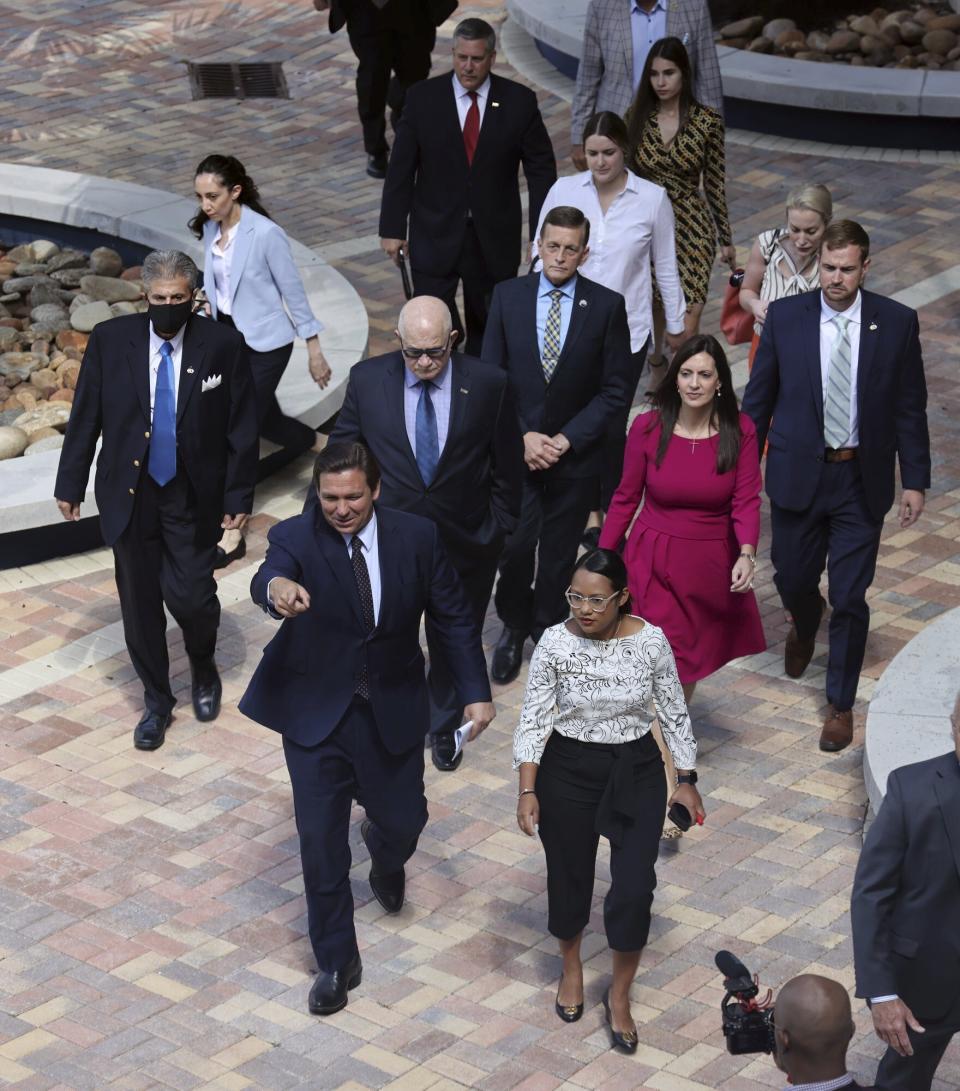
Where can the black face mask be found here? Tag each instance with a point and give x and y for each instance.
(167, 318)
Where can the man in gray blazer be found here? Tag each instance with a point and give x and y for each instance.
(616, 40)
(905, 912)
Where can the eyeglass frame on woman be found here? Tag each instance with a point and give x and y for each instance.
(432, 353)
(589, 599)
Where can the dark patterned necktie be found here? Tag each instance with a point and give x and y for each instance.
(551, 335)
(362, 576)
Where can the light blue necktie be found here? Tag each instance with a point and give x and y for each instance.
(836, 405)
(425, 434)
(163, 437)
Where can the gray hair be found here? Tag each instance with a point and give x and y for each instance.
(475, 30)
(169, 265)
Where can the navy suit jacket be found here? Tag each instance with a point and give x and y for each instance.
(474, 497)
(308, 674)
(217, 436)
(784, 398)
(431, 186)
(905, 907)
(591, 383)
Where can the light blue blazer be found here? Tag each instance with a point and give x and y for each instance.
(262, 279)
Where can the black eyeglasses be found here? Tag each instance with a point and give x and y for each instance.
(431, 353)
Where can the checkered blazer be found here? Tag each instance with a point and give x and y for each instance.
(605, 77)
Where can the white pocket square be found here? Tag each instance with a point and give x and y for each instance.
(210, 383)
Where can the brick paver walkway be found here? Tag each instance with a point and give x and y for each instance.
(152, 932)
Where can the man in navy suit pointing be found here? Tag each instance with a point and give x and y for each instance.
(343, 682)
(838, 393)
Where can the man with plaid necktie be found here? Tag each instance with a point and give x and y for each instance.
(343, 682)
(565, 345)
(838, 393)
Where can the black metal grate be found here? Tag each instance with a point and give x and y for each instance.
(238, 81)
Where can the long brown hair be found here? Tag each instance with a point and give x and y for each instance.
(724, 413)
(645, 102)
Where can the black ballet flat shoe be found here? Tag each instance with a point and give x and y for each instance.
(624, 1040)
(569, 1013)
(223, 558)
(329, 991)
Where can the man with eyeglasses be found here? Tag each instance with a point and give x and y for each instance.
(443, 428)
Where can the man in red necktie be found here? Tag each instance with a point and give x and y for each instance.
(453, 180)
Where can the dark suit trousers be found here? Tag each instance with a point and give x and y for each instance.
(478, 284)
(538, 557)
(916, 1073)
(158, 560)
(351, 763)
(839, 531)
(392, 54)
(446, 708)
(616, 440)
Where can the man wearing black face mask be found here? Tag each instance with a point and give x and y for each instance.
(172, 398)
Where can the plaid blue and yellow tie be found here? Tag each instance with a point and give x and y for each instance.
(551, 336)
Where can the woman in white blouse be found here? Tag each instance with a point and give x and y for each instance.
(631, 225)
(589, 766)
(251, 283)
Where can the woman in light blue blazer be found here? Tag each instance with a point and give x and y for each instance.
(252, 284)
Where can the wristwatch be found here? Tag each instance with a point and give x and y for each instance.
(687, 778)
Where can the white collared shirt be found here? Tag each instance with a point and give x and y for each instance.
(638, 226)
(462, 96)
(176, 343)
(222, 254)
(829, 332)
(823, 1085)
(369, 539)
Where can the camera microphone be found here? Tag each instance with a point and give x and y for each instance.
(730, 966)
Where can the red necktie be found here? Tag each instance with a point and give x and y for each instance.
(471, 127)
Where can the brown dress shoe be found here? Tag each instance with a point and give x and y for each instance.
(798, 653)
(837, 733)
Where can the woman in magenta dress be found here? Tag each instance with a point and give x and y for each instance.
(691, 555)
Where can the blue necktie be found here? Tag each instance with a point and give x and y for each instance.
(163, 438)
(428, 443)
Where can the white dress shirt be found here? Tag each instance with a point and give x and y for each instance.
(222, 254)
(176, 343)
(369, 539)
(829, 332)
(823, 1085)
(463, 99)
(638, 226)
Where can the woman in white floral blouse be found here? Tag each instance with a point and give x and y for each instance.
(589, 767)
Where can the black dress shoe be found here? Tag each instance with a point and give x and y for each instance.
(149, 733)
(207, 690)
(443, 751)
(329, 991)
(569, 1013)
(507, 655)
(624, 1040)
(377, 165)
(388, 889)
(223, 558)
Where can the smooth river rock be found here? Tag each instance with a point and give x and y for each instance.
(88, 315)
(110, 289)
(106, 262)
(20, 365)
(48, 443)
(50, 415)
(13, 441)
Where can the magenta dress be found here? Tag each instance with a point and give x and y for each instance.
(685, 542)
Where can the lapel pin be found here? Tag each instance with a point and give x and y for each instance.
(462, 391)
(873, 325)
(189, 370)
(583, 303)
(494, 103)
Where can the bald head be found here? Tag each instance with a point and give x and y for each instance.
(814, 1026)
(426, 336)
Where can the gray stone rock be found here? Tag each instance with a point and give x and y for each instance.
(13, 442)
(44, 249)
(817, 40)
(69, 278)
(51, 312)
(939, 42)
(865, 24)
(8, 416)
(8, 338)
(760, 45)
(912, 33)
(24, 284)
(10, 297)
(68, 259)
(30, 269)
(79, 300)
(106, 262)
(776, 27)
(843, 41)
(88, 315)
(743, 28)
(20, 365)
(44, 293)
(48, 443)
(23, 252)
(110, 289)
(48, 415)
(124, 307)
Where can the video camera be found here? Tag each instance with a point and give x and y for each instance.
(747, 1022)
